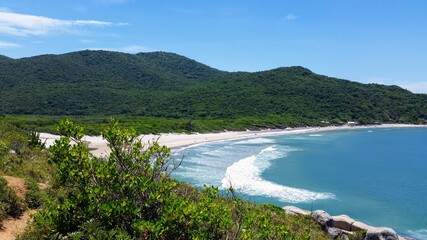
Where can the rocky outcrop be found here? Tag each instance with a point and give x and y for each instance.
(292, 210)
(359, 226)
(343, 222)
(342, 226)
(323, 218)
(381, 233)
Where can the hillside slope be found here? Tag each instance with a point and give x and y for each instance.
(163, 84)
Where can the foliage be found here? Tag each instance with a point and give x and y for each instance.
(10, 204)
(17, 158)
(129, 195)
(358, 235)
(34, 140)
(34, 197)
(166, 85)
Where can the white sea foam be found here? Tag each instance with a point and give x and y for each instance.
(418, 234)
(245, 176)
(255, 141)
(315, 135)
(223, 151)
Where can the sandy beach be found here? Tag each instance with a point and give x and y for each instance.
(176, 141)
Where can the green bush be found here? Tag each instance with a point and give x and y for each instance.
(34, 197)
(10, 204)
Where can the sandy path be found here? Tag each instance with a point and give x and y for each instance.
(12, 227)
(17, 185)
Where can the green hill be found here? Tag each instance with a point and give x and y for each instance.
(160, 84)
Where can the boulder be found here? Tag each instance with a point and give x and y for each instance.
(359, 226)
(292, 210)
(323, 218)
(381, 233)
(333, 232)
(343, 222)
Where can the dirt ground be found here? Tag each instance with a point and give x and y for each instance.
(12, 227)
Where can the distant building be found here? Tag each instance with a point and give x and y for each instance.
(352, 123)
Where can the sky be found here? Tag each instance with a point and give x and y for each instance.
(369, 41)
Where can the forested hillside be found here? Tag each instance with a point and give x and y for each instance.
(162, 84)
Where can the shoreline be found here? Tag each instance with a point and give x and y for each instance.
(179, 141)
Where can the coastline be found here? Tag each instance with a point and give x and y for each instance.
(178, 141)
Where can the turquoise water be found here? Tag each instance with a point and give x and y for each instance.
(377, 176)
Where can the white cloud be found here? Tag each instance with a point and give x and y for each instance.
(415, 87)
(24, 25)
(291, 17)
(8, 45)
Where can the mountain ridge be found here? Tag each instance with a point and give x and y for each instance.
(162, 84)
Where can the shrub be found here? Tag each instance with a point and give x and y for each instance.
(34, 197)
(10, 204)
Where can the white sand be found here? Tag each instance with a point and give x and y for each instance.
(99, 147)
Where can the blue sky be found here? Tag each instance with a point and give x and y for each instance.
(382, 41)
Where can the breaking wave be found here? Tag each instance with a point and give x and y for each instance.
(245, 176)
(255, 141)
(418, 234)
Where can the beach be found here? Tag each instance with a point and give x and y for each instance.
(176, 141)
(275, 171)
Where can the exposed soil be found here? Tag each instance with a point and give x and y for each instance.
(18, 185)
(12, 227)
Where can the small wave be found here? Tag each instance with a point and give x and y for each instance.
(269, 149)
(245, 176)
(315, 135)
(256, 141)
(223, 151)
(370, 131)
(418, 234)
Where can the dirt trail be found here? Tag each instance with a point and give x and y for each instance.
(18, 185)
(12, 227)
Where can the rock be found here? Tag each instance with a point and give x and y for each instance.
(343, 222)
(323, 218)
(333, 232)
(292, 210)
(381, 233)
(359, 226)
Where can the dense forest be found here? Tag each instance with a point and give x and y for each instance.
(166, 85)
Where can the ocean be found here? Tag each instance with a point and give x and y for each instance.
(377, 176)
